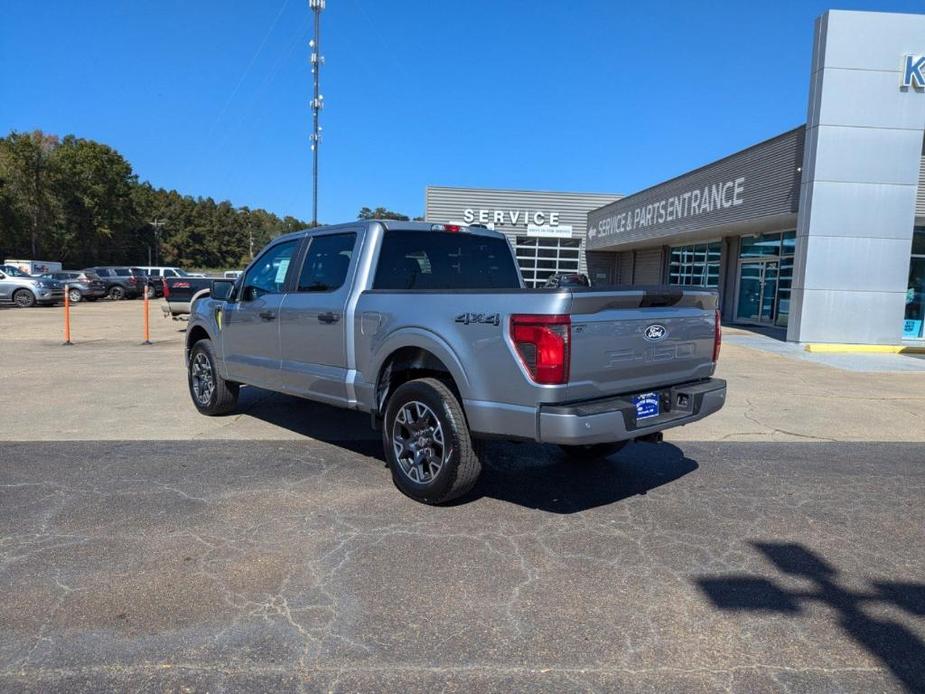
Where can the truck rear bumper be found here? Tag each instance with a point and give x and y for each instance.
(614, 419)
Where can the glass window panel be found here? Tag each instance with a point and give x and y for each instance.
(918, 242)
(915, 300)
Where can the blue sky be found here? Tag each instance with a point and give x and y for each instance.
(211, 98)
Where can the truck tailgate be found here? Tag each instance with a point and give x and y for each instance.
(635, 339)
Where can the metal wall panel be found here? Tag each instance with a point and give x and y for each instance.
(862, 166)
(761, 181)
(445, 204)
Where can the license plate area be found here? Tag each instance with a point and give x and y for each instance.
(647, 405)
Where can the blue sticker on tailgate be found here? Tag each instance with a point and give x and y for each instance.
(646, 405)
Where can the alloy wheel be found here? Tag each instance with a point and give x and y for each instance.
(417, 438)
(202, 378)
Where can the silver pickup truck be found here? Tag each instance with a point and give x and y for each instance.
(428, 327)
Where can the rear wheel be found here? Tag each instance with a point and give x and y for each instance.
(24, 298)
(427, 444)
(116, 293)
(594, 451)
(212, 395)
(74, 296)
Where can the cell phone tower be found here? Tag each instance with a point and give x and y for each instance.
(317, 60)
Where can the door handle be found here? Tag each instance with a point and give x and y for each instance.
(268, 315)
(328, 317)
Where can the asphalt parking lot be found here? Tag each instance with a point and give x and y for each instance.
(777, 546)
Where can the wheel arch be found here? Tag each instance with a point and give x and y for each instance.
(416, 356)
(194, 334)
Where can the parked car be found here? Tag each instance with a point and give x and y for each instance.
(430, 330)
(567, 279)
(180, 292)
(120, 282)
(25, 290)
(153, 284)
(81, 286)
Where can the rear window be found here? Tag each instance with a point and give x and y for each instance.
(442, 260)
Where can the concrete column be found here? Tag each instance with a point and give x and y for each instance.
(861, 161)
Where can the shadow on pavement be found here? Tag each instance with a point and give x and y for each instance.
(526, 474)
(540, 477)
(896, 646)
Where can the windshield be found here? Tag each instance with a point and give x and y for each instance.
(181, 273)
(13, 271)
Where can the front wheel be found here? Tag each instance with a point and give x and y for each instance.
(74, 296)
(24, 298)
(116, 293)
(594, 451)
(212, 395)
(428, 447)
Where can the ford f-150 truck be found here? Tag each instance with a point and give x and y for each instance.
(430, 330)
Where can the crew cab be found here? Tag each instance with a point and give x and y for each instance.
(429, 329)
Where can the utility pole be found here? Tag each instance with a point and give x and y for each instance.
(317, 61)
(157, 224)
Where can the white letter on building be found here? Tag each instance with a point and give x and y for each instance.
(738, 190)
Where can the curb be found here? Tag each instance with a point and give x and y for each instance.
(868, 349)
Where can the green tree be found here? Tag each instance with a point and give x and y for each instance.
(99, 220)
(381, 213)
(29, 202)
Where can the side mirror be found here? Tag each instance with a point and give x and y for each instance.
(222, 289)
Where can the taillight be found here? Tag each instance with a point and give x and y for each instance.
(166, 289)
(132, 279)
(717, 338)
(543, 345)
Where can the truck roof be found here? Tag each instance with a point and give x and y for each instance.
(389, 224)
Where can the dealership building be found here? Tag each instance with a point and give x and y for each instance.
(818, 232)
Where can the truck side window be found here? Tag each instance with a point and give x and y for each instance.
(268, 275)
(326, 263)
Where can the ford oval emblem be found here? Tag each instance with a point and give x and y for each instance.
(655, 332)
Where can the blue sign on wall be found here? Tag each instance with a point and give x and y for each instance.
(912, 329)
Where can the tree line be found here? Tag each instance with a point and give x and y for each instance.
(79, 202)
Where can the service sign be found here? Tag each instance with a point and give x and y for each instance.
(563, 231)
(512, 217)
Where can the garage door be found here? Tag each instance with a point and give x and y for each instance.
(648, 267)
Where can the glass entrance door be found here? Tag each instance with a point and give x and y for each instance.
(758, 280)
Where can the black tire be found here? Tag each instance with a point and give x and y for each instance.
(223, 396)
(591, 452)
(74, 296)
(460, 464)
(23, 298)
(116, 293)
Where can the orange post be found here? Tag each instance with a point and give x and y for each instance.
(67, 316)
(147, 324)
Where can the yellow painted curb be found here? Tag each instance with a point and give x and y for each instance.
(881, 349)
